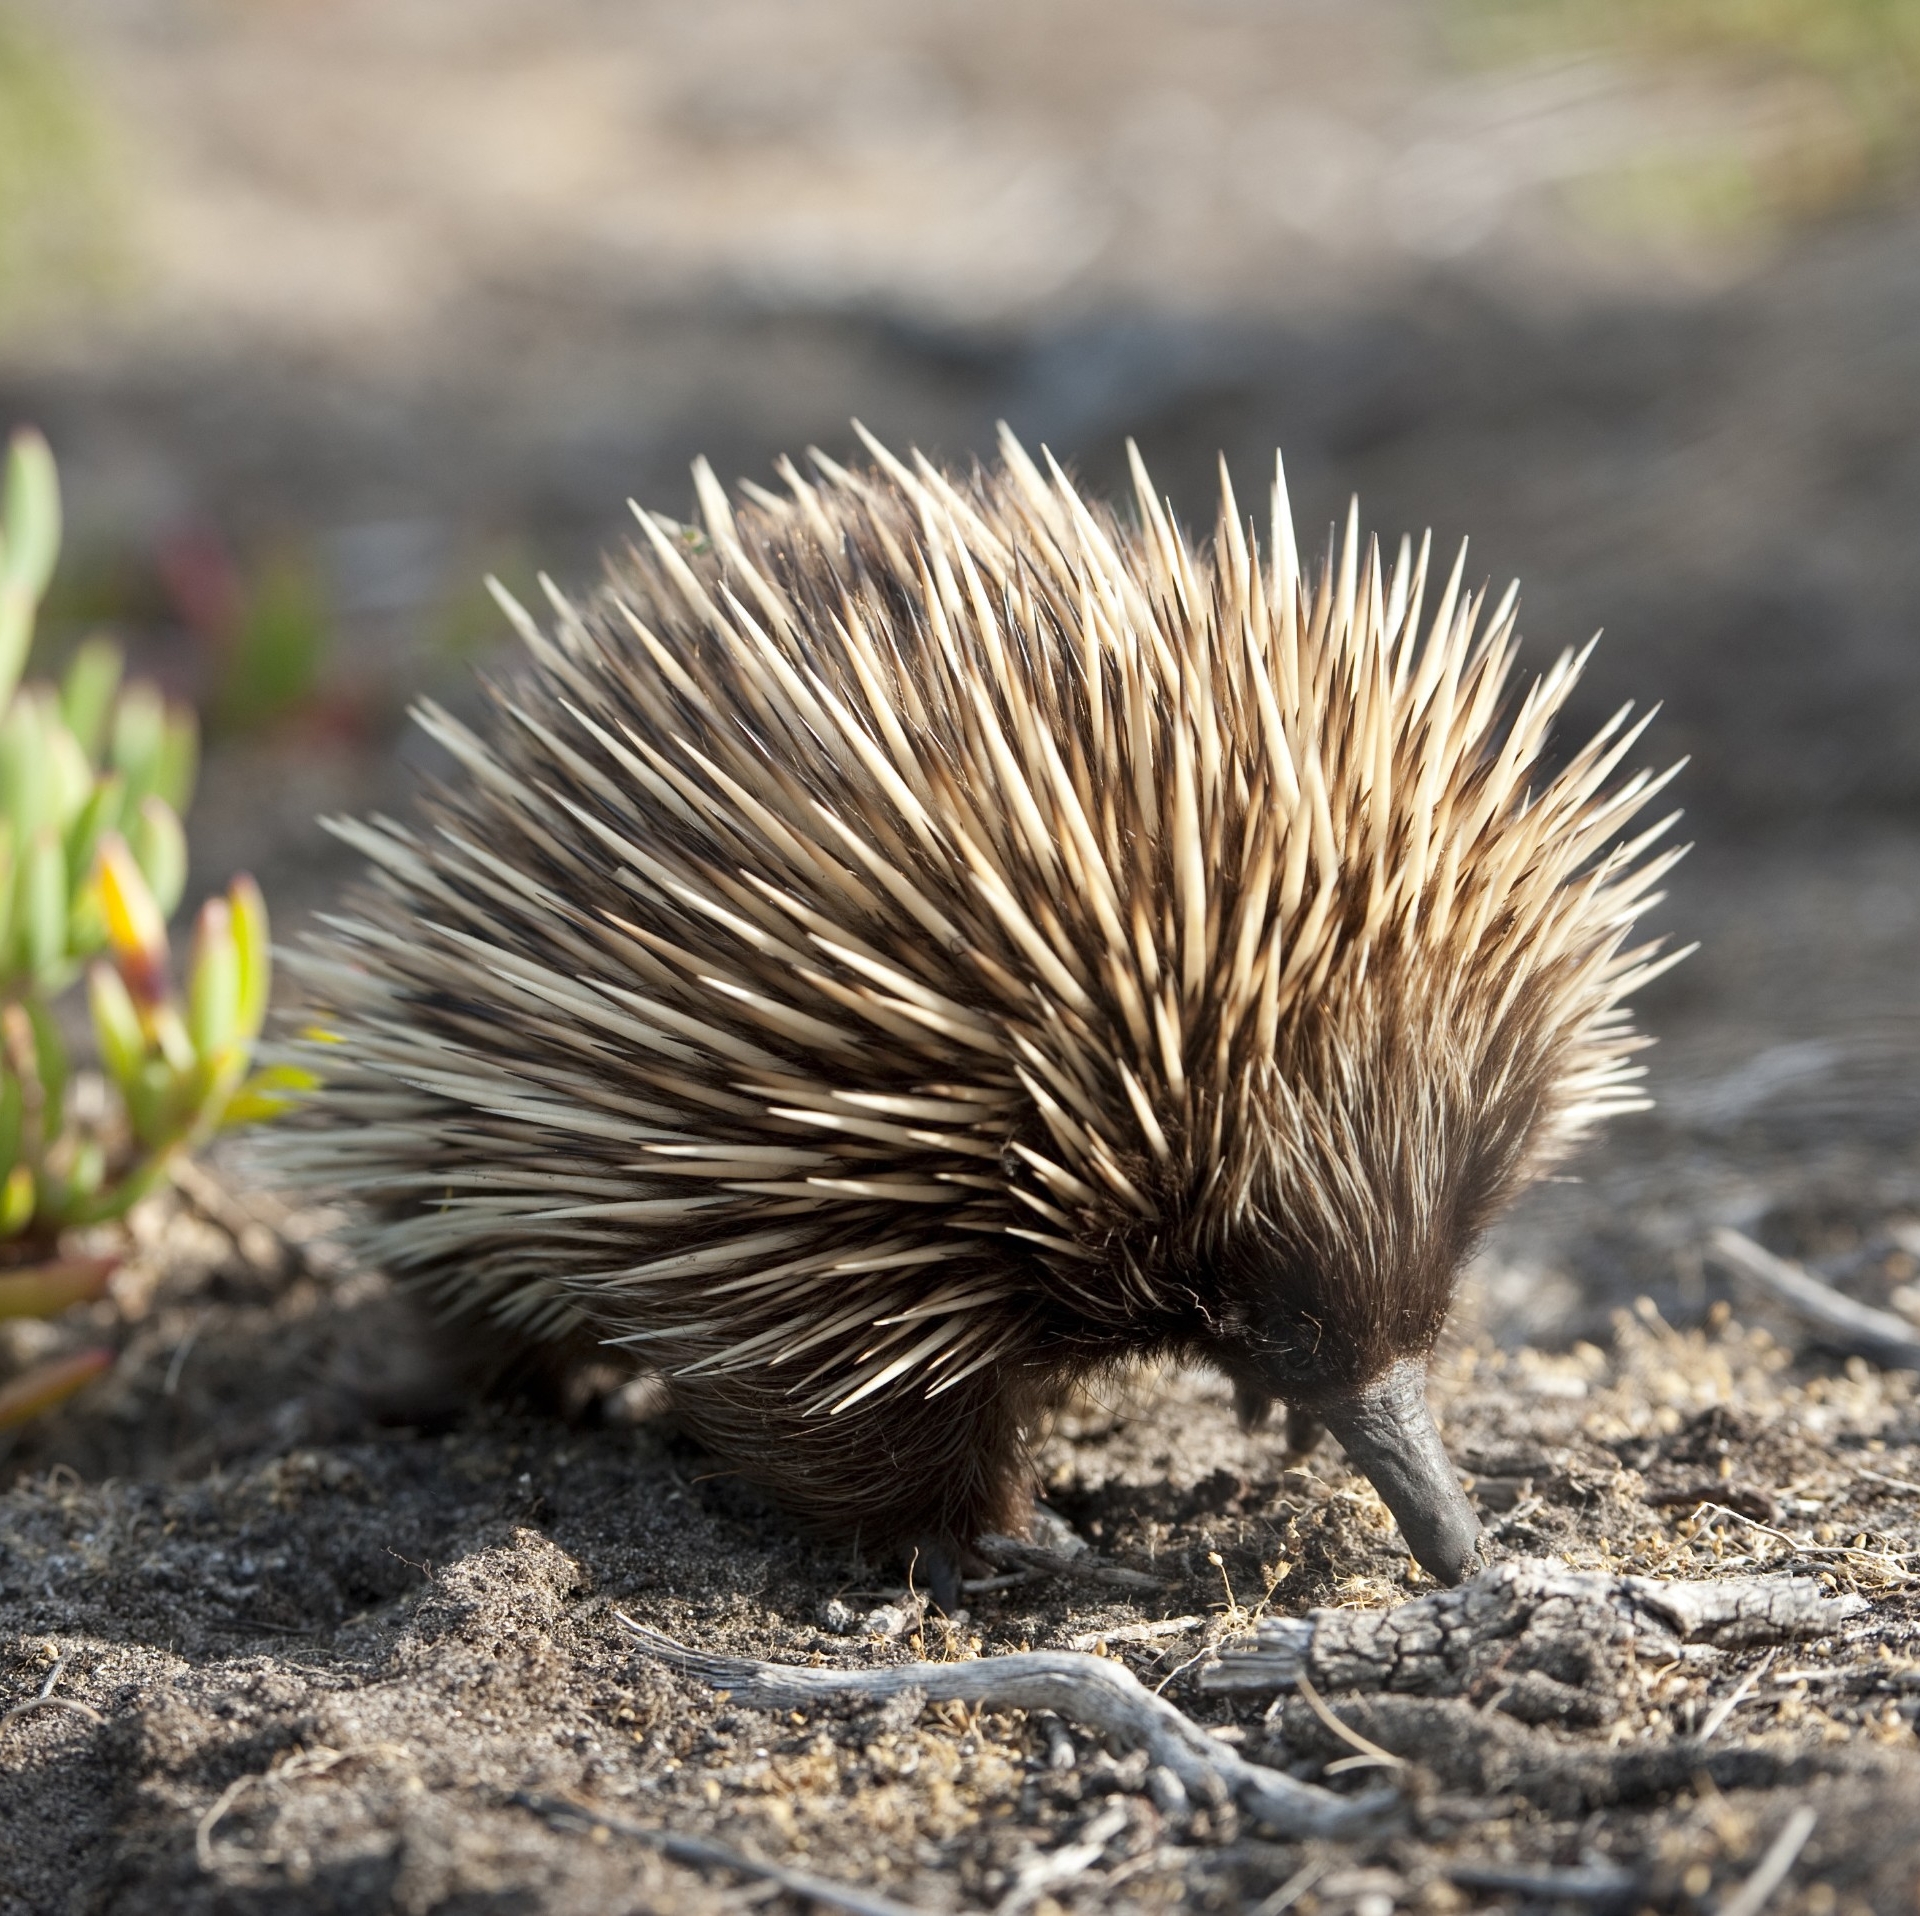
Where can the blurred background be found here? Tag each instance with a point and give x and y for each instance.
(332, 306)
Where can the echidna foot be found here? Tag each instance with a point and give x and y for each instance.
(940, 1565)
(1304, 1432)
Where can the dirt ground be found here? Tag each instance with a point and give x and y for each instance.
(323, 1661)
(427, 287)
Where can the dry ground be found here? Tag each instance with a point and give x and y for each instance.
(320, 1654)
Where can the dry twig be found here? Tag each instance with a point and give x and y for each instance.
(1598, 1883)
(1876, 1335)
(1368, 1753)
(46, 1700)
(1751, 1897)
(1728, 1704)
(1016, 1553)
(1432, 1645)
(1290, 1892)
(1085, 1689)
(70, 1704)
(1047, 1871)
(210, 1818)
(1135, 1632)
(1892, 1483)
(300, 1764)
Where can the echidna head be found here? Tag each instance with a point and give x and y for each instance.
(1402, 1112)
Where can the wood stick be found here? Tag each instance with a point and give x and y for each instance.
(1599, 1883)
(1877, 1335)
(1433, 1645)
(1090, 1690)
(1005, 1552)
(1782, 1853)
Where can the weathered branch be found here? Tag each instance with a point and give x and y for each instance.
(1015, 1553)
(1879, 1336)
(1437, 1645)
(1782, 1853)
(1601, 1884)
(1742, 1611)
(1089, 1690)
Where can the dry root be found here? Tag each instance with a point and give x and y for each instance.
(1878, 1336)
(1089, 1690)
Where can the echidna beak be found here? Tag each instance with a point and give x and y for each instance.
(1389, 1433)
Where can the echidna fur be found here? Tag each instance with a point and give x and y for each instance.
(916, 940)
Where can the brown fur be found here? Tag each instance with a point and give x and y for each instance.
(919, 941)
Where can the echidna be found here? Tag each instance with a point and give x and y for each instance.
(913, 942)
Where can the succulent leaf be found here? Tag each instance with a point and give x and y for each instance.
(136, 930)
(99, 815)
(51, 1067)
(93, 779)
(149, 1103)
(16, 631)
(170, 1034)
(179, 761)
(8, 841)
(159, 846)
(16, 1201)
(47, 1289)
(139, 738)
(212, 1088)
(70, 773)
(42, 907)
(49, 1384)
(87, 693)
(253, 946)
(30, 514)
(12, 1118)
(116, 1025)
(25, 784)
(80, 1182)
(213, 980)
(29, 547)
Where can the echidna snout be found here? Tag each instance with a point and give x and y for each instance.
(915, 943)
(1389, 1435)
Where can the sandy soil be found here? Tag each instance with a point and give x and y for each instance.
(322, 1658)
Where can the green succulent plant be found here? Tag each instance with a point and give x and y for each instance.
(94, 775)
